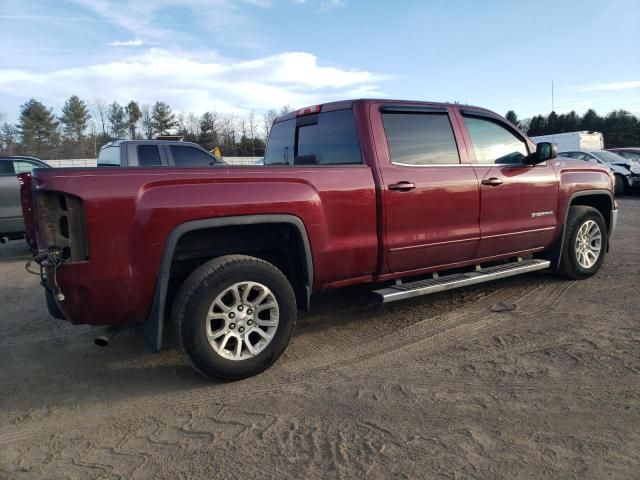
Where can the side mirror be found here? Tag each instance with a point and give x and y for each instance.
(545, 151)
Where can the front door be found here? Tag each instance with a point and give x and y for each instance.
(519, 202)
(430, 193)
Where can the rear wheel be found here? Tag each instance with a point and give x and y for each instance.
(235, 316)
(585, 243)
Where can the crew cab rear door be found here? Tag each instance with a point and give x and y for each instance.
(519, 202)
(430, 193)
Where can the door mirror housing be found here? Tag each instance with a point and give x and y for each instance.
(544, 151)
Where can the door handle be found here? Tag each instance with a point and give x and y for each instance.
(402, 186)
(493, 181)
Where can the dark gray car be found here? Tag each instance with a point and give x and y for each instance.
(11, 221)
(155, 153)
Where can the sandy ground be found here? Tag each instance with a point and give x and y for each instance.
(436, 387)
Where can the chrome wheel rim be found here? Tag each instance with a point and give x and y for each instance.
(242, 320)
(588, 244)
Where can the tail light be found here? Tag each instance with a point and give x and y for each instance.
(26, 200)
(308, 110)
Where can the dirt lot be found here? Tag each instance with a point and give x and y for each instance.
(438, 387)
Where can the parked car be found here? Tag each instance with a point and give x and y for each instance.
(354, 192)
(627, 172)
(11, 219)
(155, 153)
(630, 153)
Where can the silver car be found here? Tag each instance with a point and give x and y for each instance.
(626, 171)
(11, 221)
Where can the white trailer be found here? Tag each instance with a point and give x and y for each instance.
(574, 140)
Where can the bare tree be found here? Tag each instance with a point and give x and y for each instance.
(100, 111)
(147, 121)
(268, 119)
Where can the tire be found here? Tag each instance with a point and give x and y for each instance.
(571, 264)
(52, 306)
(220, 284)
(619, 188)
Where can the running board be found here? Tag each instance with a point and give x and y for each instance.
(457, 280)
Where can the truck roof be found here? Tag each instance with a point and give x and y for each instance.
(344, 104)
(117, 143)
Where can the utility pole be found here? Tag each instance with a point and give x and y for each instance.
(553, 109)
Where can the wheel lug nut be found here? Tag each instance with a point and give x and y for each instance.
(249, 311)
(241, 329)
(240, 308)
(232, 326)
(249, 322)
(232, 315)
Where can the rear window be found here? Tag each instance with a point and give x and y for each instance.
(109, 156)
(185, 156)
(149, 156)
(420, 139)
(328, 138)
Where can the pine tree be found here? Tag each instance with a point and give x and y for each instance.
(117, 121)
(513, 118)
(37, 126)
(163, 118)
(133, 115)
(75, 116)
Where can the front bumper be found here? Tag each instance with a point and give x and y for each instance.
(633, 181)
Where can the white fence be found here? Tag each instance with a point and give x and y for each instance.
(91, 162)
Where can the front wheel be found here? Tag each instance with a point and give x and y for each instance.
(585, 243)
(618, 189)
(235, 316)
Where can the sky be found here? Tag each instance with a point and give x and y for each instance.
(235, 56)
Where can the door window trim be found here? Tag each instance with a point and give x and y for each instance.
(417, 109)
(491, 117)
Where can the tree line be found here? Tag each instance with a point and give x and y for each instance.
(620, 128)
(81, 129)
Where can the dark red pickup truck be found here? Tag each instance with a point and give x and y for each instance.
(351, 192)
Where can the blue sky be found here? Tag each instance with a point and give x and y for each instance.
(234, 56)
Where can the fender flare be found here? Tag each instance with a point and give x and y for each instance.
(555, 252)
(154, 325)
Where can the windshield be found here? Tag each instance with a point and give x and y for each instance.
(608, 157)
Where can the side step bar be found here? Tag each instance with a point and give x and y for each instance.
(457, 280)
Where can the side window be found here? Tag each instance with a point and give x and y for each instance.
(185, 156)
(420, 139)
(6, 168)
(331, 139)
(493, 143)
(148, 156)
(21, 166)
(109, 156)
(280, 143)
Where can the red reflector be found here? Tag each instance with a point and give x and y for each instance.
(308, 110)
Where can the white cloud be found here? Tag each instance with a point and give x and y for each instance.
(197, 82)
(609, 86)
(127, 43)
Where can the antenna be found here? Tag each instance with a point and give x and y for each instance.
(553, 109)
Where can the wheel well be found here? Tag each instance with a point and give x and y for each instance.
(601, 202)
(277, 243)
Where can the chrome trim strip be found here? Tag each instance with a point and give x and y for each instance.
(433, 165)
(518, 233)
(393, 294)
(427, 245)
(614, 221)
